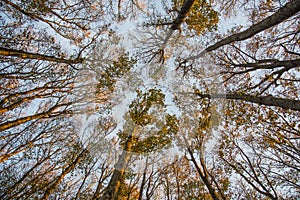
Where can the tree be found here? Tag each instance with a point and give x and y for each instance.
(37, 94)
(187, 12)
(136, 139)
(287, 11)
(43, 153)
(257, 164)
(199, 15)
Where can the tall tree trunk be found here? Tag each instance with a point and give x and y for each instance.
(204, 176)
(262, 100)
(143, 181)
(47, 114)
(36, 56)
(186, 7)
(182, 14)
(269, 64)
(112, 190)
(287, 11)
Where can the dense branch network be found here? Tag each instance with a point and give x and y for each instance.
(56, 121)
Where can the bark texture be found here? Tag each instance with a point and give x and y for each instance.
(112, 190)
(187, 5)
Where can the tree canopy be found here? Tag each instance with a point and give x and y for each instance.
(136, 99)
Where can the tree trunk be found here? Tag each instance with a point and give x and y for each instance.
(46, 114)
(143, 181)
(112, 190)
(262, 100)
(187, 5)
(36, 56)
(204, 176)
(271, 64)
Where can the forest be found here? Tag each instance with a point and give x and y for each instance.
(150, 99)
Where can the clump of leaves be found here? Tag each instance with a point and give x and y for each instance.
(115, 71)
(162, 139)
(201, 18)
(140, 114)
(140, 106)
